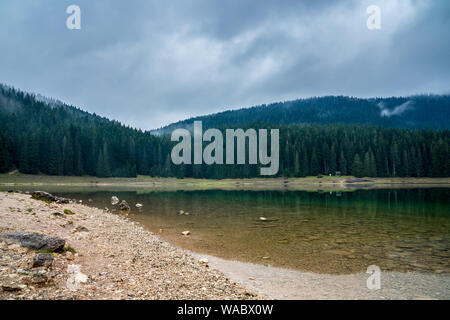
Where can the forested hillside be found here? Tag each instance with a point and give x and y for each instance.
(63, 140)
(56, 139)
(415, 112)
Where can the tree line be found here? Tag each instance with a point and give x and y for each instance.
(63, 140)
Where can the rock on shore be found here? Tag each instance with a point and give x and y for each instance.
(114, 257)
(42, 195)
(37, 241)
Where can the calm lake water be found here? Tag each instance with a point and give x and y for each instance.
(336, 233)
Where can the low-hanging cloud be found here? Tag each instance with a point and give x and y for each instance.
(397, 110)
(148, 63)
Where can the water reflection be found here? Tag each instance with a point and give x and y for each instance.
(401, 230)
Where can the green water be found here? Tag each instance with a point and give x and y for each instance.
(338, 233)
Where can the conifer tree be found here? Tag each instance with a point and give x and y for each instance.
(357, 167)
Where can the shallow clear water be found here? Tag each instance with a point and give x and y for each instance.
(337, 233)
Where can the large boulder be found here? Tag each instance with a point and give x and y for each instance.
(37, 241)
(42, 195)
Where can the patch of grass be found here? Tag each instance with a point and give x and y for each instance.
(46, 251)
(70, 222)
(67, 211)
(70, 249)
(29, 210)
(46, 200)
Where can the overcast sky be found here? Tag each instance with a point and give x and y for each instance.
(150, 63)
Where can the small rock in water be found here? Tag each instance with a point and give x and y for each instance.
(89, 200)
(181, 212)
(42, 260)
(80, 201)
(203, 261)
(186, 233)
(114, 200)
(138, 205)
(262, 219)
(123, 206)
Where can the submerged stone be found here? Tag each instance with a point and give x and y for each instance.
(123, 206)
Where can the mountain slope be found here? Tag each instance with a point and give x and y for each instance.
(415, 112)
(41, 135)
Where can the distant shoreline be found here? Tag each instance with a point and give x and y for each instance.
(325, 183)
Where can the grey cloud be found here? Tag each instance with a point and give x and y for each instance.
(148, 63)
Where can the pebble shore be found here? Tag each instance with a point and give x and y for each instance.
(106, 256)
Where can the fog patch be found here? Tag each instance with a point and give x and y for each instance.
(398, 110)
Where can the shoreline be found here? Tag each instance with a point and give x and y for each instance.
(123, 260)
(290, 284)
(118, 258)
(325, 183)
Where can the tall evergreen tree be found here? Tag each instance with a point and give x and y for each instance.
(357, 167)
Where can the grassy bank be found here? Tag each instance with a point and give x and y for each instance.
(325, 183)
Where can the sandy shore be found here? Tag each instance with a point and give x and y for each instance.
(287, 284)
(114, 258)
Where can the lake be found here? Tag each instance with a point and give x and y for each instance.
(322, 232)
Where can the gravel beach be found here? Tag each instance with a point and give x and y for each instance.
(105, 256)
